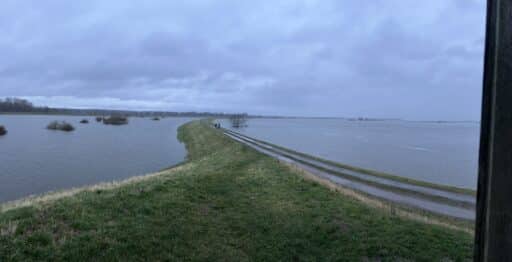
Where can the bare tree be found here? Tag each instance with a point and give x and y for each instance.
(15, 105)
(238, 120)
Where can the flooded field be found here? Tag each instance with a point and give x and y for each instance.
(36, 160)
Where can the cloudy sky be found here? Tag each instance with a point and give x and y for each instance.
(376, 58)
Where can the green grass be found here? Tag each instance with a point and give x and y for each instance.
(371, 172)
(227, 203)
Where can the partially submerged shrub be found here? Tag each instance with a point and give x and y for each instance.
(84, 121)
(67, 127)
(3, 131)
(62, 126)
(53, 125)
(99, 119)
(115, 120)
(156, 118)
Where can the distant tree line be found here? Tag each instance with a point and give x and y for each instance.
(18, 105)
(11, 104)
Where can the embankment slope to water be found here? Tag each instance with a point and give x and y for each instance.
(228, 202)
(430, 204)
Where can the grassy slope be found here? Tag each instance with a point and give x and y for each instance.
(228, 203)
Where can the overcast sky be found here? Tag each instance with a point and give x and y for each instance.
(376, 58)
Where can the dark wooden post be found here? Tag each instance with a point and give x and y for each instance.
(493, 236)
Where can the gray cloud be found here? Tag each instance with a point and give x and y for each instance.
(393, 58)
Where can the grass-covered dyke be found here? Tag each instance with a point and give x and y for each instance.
(227, 202)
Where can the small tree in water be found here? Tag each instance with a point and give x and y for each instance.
(238, 120)
(115, 120)
(3, 131)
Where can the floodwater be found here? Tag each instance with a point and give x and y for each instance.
(438, 152)
(34, 160)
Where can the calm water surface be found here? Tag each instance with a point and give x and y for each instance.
(445, 153)
(34, 160)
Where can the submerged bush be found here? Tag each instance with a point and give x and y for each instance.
(156, 118)
(84, 121)
(99, 119)
(115, 120)
(3, 131)
(53, 125)
(62, 126)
